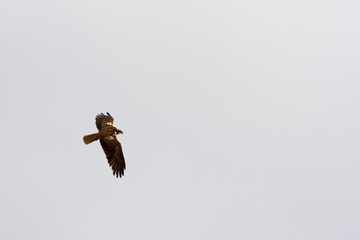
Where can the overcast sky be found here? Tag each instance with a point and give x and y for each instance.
(240, 119)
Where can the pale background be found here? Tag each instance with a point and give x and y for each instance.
(240, 119)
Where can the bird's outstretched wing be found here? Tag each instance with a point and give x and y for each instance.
(114, 154)
(103, 120)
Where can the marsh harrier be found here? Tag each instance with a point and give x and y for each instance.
(111, 146)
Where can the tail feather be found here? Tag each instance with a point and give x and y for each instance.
(90, 138)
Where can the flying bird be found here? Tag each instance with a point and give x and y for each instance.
(111, 146)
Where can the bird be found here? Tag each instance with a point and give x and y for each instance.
(109, 143)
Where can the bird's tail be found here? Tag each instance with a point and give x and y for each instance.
(91, 137)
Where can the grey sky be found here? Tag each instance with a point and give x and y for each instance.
(240, 119)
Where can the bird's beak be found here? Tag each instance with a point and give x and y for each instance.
(119, 131)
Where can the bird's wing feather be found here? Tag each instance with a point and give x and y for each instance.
(113, 151)
(102, 120)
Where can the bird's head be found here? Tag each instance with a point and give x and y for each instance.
(118, 131)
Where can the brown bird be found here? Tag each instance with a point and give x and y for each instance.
(111, 146)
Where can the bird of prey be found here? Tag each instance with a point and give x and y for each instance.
(111, 146)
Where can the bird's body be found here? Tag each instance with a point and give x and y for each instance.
(108, 131)
(111, 146)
